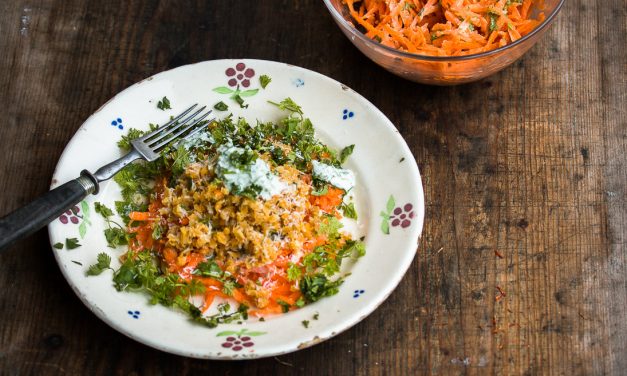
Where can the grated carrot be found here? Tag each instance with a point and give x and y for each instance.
(445, 27)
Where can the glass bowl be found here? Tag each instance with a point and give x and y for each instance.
(441, 70)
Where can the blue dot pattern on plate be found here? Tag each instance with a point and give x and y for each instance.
(347, 114)
(357, 293)
(134, 314)
(117, 123)
(299, 82)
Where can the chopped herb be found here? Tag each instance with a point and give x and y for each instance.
(318, 286)
(228, 286)
(77, 263)
(300, 303)
(316, 316)
(115, 237)
(305, 323)
(408, 6)
(289, 105)
(284, 305)
(102, 210)
(346, 152)
(221, 106)
(377, 38)
(164, 104)
(125, 142)
(401, 160)
(58, 245)
(262, 319)
(222, 317)
(104, 263)
(349, 210)
(71, 243)
(293, 272)
(321, 192)
(240, 101)
(264, 80)
(209, 269)
(330, 226)
(157, 232)
(493, 21)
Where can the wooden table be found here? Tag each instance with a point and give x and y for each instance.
(522, 266)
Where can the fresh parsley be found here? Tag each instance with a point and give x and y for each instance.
(221, 106)
(346, 152)
(293, 272)
(285, 307)
(103, 263)
(288, 104)
(349, 210)
(264, 80)
(114, 233)
(164, 104)
(493, 21)
(240, 101)
(71, 243)
(58, 245)
(317, 286)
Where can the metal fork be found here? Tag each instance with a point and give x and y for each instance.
(35, 215)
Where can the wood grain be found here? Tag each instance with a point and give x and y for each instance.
(525, 178)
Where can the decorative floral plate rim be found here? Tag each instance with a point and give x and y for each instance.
(389, 198)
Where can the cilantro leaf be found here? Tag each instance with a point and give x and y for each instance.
(71, 243)
(346, 152)
(493, 21)
(221, 106)
(58, 245)
(157, 232)
(101, 209)
(228, 286)
(115, 237)
(264, 80)
(125, 141)
(321, 192)
(164, 104)
(318, 286)
(289, 105)
(349, 210)
(103, 263)
(209, 269)
(285, 307)
(293, 272)
(330, 226)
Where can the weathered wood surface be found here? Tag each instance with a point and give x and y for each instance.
(525, 179)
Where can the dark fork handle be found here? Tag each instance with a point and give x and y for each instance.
(30, 218)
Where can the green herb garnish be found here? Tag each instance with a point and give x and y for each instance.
(58, 245)
(164, 104)
(305, 323)
(264, 80)
(346, 152)
(349, 210)
(221, 106)
(71, 243)
(104, 263)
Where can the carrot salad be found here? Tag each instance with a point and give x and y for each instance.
(237, 213)
(445, 27)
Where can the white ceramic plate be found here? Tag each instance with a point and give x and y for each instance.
(389, 200)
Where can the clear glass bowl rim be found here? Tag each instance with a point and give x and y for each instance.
(339, 18)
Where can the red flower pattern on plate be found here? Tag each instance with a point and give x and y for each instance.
(240, 75)
(402, 216)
